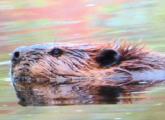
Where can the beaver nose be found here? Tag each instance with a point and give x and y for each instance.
(16, 56)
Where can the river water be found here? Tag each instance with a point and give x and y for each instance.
(29, 22)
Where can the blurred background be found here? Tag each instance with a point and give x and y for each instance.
(26, 22)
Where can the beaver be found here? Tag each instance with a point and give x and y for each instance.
(68, 74)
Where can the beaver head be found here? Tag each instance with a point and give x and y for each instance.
(55, 74)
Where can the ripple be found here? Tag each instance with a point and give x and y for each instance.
(5, 63)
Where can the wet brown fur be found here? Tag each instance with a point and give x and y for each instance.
(76, 78)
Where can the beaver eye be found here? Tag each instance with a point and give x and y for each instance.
(56, 52)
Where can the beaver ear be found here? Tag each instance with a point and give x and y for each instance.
(108, 58)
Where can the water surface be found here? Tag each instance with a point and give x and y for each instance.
(28, 22)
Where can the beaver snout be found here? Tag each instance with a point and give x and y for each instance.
(16, 57)
(18, 53)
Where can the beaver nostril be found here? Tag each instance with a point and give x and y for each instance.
(16, 55)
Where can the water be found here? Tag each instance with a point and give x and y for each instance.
(29, 22)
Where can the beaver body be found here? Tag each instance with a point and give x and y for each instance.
(60, 74)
